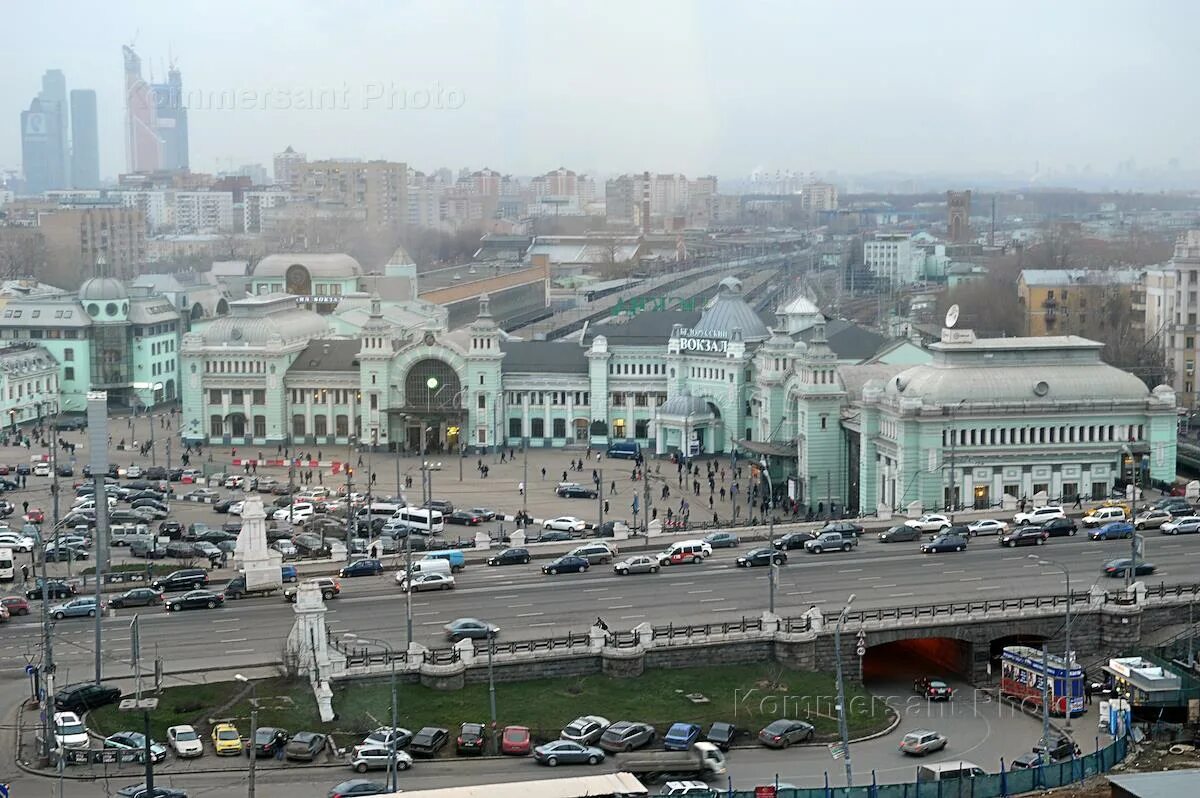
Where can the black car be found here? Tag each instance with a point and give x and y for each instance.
(215, 536)
(464, 518)
(721, 735)
(65, 553)
(945, 542)
(351, 788)
(848, 528)
(428, 741)
(471, 739)
(552, 536)
(183, 579)
(761, 557)
(140, 791)
(79, 698)
(268, 740)
(1024, 536)
(171, 529)
(65, 471)
(129, 517)
(224, 505)
(361, 568)
(150, 502)
(793, 540)
(181, 549)
(1059, 527)
(157, 473)
(899, 534)
(138, 597)
(55, 589)
(575, 492)
(510, 557)
(195, 600)
(567, 564)
(148, 494)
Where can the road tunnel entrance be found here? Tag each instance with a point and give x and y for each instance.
(906, 660)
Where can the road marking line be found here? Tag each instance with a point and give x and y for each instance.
(989, 587)
(432, 612)
(898, 595)
(594, 589)
(971, 579)
(546, 623)
(432, 623)
(694, 592)
(868, 578)
(621, 607)
(502, 598)
(530, 614)
(681, 584)
(956, 571)
(234, 640)
(881, 587)
(850, 571)
(631, 617)
(240, 651)
(724, 609)
(515, 606)
(707, 601)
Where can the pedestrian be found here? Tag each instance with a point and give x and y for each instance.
(543, 473)
(319, 457)
(25, 507)
(606, 506)
(1078, 501)
(722, 492)
(613, 488)
(233, 453)
(24, 572)
(564, 479)
(716, 520)
(359, 460)
(521, 488)
(224, 558)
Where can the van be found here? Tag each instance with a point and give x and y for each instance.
(453, 556)
(949, 771)
(1104, 515)
(624, 450)
(379, 510)
(431, 565)
(684, 551)
(595, 553)
(123, 534)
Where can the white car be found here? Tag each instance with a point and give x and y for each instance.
(21, 543)
(697, 788)
(285, 547)
(987, 526)
(236, 508)
(69, 731)
(133, 472)
(298, 512)
(41, 469)
(235, 481)
(565, 523)
(185, 742)
(1104, 515)
(1039, 515)
(585, 730)
(929, 523)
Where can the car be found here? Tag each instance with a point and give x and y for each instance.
(516, 741)
(681, 736)
(486, 513)
(195, 600)
(208, 551)
(286, 548)
(305, 746)
(140, 791)
(585, 729)
(69, 731)
(469, 629)
(510, 557)
(761, 557)
(82, 607)
(899, 534)
(1026, 761)
(1153, 518)
(17, 542)
(567, 752)
(933, 689)
(472, 739)
(420, 582)
(551, 536)
(793, 540)
(1183, 525)
(920, 742)
(183, 579)
(565, 523)
(463, 518)
(147, 549)
(1115, 568)
(929, 523)
(848, 528)
(267, 740)
(595, 553)
(944, 543)
(1024, 536)
(41, 469)
(722, 540)
(16, 605)
(443, 506)
(567, 564)
(783, 732)
(1112, 531)
(133, 471)
(361, 568)
(226, 740)
(1060, 527)
(626, 735)
(1104, 515)
(830, 541)
(1039, 515)
(375, 757)
(171, 529)
(697, 789)
(428, 741)
(987, 526)
(637, 564)
(351, 788)
(1059, 747)
(184, 741)
(721, 734)
(63, 553)
(574, 491)
(135, 741)
(137, 597)
(383, 737)
(330, 588)
(80, 698)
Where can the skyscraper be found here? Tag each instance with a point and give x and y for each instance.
(170, 121)
(54, 99)
(41, 148)
(142, 150)
(85, 140)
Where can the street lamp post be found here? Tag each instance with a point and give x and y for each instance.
(841, 691)
(392, 666)
(1131, 571)
(253, 731)
(953, 451)
(491, 644)
(1067, 628)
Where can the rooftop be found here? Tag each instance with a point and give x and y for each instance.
(325, 354)
(544, 356)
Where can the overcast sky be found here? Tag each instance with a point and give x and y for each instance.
(696, 87)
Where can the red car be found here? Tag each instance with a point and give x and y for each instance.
(35, 516)
(3, 470)
(933, 689)
(16, 605)
(516, 741)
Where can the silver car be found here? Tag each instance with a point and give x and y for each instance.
(585, 730)
(375, 757)
(637, 564)
(920, 742)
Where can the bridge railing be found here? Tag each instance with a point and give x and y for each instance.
(673, 631)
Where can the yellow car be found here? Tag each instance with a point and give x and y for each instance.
(226, 740)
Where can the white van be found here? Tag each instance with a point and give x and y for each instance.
(1104, 515)
(123, 534)
(380, 509)
(430, 566)
(949, 771)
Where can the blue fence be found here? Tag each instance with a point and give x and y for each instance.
(992, 785)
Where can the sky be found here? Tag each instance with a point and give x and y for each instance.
(606, 87)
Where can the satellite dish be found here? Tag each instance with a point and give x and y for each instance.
(952, 316)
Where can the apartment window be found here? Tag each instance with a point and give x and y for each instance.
(69, 373)
(618, 400)
(481, 402)
(214, 397)
(260, 426)
(237, 396)
(1189, 342)
(514, 428)
(259, 397)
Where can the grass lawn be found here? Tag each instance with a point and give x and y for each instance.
(747, 695)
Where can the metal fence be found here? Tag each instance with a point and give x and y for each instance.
(922, 612)
(671, 631)
(991, 785)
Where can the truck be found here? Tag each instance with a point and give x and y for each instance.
(830, 541)
(702, 759)
(609, 785)
(264, 583)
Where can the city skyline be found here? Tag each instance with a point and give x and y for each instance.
(854, 91)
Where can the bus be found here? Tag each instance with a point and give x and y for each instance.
(8, 566)
(611, 785)
(431, 521)
(1022, 670)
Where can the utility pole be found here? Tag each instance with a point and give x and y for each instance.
(525, 477)
(1131, 572)
(253, 731)
(599, 495)
(491, 644)
(843, 727)
(97, 412)
(349, 492)
(645, 500)
(1046, 704)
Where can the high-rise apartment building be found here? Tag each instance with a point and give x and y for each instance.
(286, 171)
(157, 207)
(378, 188)
(41, 151)
(253, 205)
(889, 256)
(54, 100)
(76, 238)
(1173, 316)
(171, 121)
(85, 140)
(204, 211)
(819, 197)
